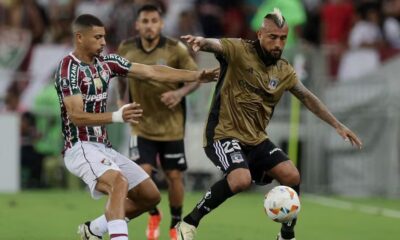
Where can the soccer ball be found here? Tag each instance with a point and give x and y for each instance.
(282, 204)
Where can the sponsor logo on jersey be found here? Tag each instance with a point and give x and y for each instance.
(236, 157)
(273, 83)
(106, 162)
(117, 58)
(96, 98)
(274, 150)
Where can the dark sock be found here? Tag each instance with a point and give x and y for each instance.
(176, 215)
(154, 211)
(287, 229)
(217, 194)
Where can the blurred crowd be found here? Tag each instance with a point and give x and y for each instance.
(355, 35)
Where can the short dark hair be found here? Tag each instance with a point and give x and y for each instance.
(85, 21)
(149, 8)
(277, 17)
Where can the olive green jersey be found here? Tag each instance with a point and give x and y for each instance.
(246, 93)
(159, 123)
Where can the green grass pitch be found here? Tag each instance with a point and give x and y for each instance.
(54, 215)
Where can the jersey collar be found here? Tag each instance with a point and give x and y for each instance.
(161, 43)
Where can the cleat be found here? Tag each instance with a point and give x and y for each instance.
(281, 238)
(185, 231)
(85, 233)
(153, 227)
(173, 234)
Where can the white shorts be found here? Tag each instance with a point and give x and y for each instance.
(90, 160)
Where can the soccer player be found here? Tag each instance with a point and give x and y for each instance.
(161, 132)
(81, 82)
(252, 80)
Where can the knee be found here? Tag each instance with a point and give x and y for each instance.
(152, 200)
(120, 183)
(291, 179)
(239, 180)
(174, 176)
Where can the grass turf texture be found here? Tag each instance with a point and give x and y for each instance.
(56, 214)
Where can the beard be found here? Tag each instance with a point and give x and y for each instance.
(273, 56)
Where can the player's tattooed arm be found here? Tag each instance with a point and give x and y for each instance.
(203, 44)
(315, 105)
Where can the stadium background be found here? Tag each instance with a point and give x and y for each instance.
(344, 51)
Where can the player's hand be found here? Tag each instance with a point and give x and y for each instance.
(208, 75)
(349, 136)
(194, 42)
(132, 113)
(128, 113)
(171, 98)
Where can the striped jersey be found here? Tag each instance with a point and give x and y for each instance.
(74, 77)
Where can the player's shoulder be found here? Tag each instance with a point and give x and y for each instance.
(283, 64)
(130, 42)
(171, 41)
(68, 64)
(113, 57)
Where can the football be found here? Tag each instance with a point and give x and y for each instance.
(282, 204)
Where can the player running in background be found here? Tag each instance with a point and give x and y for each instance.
(160, 134)
(252, 80)
(81, 82)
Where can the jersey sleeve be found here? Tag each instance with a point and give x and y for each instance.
(118, 65)
(291, 78)
(230, 47)
(66, 79)
(185, 60)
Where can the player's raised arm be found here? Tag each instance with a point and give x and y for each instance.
(203, 44)
(316, 106)
(168, 74)
(74, 105)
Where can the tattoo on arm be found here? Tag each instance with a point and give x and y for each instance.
(212, 45)
(314, 104)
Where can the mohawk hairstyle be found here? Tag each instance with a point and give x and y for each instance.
(277, 17)
(86, 21)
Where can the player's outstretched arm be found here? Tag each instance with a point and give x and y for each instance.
(74, 105)
(319, 109)
(203, 44)
(167, 74)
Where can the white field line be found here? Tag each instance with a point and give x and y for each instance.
(329, 202)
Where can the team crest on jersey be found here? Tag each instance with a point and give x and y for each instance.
(273, 83)
(236, 157)
(98, 83)
(105, 75)
(64, 83)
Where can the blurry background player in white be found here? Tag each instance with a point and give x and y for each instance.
(81, 82)
(160, 134)
(252, 81)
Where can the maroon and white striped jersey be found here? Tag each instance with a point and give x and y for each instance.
(74, 77)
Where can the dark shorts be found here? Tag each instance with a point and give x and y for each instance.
(229, 154)
(171, 153)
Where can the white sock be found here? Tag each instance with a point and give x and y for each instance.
(118, 229)
(99, 226)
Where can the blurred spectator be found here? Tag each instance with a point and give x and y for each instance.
(365, 40)
(31, 160)
(121, 22)
(294, 13)
(234, 20)
(210, 13)
(391, 26)
(27, 14)
(187, 24)
(337, 17)
(312, 26)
